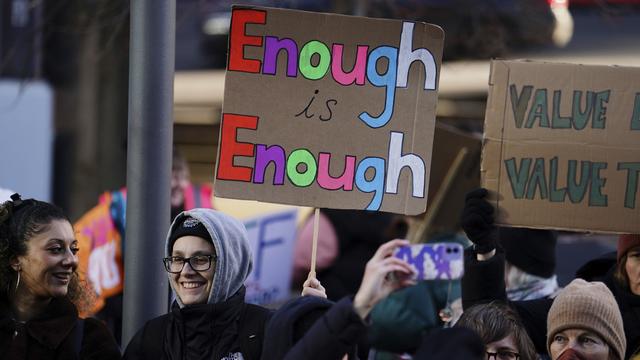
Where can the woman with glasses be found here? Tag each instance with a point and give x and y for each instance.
(40, 291)
(501, 331)
(208, 258)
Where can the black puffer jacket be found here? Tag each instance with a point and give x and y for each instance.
(484, 282)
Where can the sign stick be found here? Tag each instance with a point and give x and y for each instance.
(314, 245)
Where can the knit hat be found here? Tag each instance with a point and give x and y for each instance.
(189, 226)
(531, 250)
(589, 306)
(626, 242)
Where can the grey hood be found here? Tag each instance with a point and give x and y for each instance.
(231, 243)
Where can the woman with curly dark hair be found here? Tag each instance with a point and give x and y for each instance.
(39, 288)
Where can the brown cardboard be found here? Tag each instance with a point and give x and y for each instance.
(611, 202)
(331, 122)
(447, 144)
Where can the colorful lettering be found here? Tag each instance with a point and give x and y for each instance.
(230, 147)
(238, 39)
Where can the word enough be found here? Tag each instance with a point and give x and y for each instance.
(301, 60)
(316, 171)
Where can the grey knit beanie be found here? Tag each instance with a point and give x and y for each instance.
(589, 306)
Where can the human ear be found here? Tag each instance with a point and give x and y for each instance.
(15, 264)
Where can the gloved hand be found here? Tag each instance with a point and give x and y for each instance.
(477, 221)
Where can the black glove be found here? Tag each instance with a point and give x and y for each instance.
(477, 221)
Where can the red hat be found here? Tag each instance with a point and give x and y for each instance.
(626, 242)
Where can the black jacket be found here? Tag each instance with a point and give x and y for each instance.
(313, 329)
(484, 282)
(54, 335)
(207, 331)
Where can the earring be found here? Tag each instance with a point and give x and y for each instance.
(17, 282)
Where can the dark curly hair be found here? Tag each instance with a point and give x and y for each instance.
(21, 220)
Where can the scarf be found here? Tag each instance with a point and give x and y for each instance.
(571, 354)
(534, 288)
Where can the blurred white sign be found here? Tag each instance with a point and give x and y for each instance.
(272, 239)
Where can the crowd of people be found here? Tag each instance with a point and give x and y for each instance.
(513, 306)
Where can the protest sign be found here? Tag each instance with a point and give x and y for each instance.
(448, 143)
(272, 238)
(328, 110)
(562, 145)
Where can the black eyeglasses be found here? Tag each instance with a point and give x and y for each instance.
(503, 355)
(175, 264)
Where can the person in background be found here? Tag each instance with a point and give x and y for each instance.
(484, 276)
(530, 264)
(585, 323)
(208, 259)
(399, 321)
(101, 232)
(40, 291)
(347, 239)
(312, 327)
(501, 331)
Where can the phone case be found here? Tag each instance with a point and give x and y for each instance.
(434, 261)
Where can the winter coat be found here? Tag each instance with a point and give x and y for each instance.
(484, 282)
(313, 329)
(399, 321)
(208, 331)
(55, 335)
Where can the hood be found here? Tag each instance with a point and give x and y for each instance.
(231, 243)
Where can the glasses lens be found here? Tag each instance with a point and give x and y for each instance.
(176, 264)
(507, 355)
(200, 263)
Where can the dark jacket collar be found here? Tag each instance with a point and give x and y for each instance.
(203, 331)
(49, 328)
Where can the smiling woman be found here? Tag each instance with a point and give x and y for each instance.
(40, 290)
(208, 259)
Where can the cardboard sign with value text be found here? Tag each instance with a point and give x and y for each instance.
(562, 146)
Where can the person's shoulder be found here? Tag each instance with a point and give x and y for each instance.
(143, 344)
(98, 342)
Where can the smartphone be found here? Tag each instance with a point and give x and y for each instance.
(434, 261)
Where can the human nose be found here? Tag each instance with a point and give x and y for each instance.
(70, 259)
(187, 268)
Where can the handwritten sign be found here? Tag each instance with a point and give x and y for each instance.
(272, 240)
(562, 145)
(328, 110)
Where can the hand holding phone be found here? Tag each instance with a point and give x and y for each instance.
(434, 261)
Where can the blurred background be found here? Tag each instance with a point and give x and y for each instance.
(64, 82)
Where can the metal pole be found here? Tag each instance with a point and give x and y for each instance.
(149, 157)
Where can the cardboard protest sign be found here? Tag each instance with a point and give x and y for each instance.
(328, 110)
(448, 143)
(272, 238)
(562, 145)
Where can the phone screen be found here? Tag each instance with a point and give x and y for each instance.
(434, 261)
